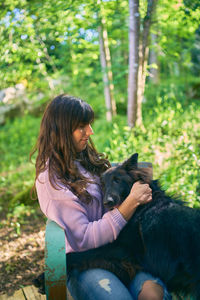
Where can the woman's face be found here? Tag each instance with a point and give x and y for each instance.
(81, 135)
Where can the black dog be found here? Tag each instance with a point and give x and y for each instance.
(162, 237)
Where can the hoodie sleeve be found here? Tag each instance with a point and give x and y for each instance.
(63, 207)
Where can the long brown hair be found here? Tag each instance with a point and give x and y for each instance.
(56, 150)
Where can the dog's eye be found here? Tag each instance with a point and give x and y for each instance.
(116, 180)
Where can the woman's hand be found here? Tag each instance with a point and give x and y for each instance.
(140, 194)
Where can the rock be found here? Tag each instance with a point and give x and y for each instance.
(9, 94)
(12, 93)
(20, 87)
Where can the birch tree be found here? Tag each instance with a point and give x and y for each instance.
(106, 66)
(143, 57)
(134, 26)
(138, 55)
(107, 93)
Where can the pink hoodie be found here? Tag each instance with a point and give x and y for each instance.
(86, 225)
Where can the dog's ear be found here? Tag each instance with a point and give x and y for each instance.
(131, 162)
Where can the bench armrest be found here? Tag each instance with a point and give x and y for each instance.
(55, 262)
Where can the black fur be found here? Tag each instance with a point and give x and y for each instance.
(162, 237)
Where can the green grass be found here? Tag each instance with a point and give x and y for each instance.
(16, 140)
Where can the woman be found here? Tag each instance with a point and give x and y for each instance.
(67, 182)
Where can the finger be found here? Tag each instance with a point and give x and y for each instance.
(144, 198)
(149, 198)
(136, 183)
(147, 188)
(148, 191)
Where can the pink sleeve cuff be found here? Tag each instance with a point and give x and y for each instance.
(117, 218)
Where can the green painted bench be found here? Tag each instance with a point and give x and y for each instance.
(55, 260)
(55, 263)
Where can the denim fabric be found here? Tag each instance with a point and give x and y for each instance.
(136, 285)
(100, 284)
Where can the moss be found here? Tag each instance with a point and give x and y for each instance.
(26, 197)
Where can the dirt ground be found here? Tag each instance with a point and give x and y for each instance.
(22, 255)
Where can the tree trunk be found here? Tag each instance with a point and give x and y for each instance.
(109, 66)
(134, 30)
(141, 82)
(143, 57)
(107, 93)
(106, 65)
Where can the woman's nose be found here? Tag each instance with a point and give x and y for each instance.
(89, 130)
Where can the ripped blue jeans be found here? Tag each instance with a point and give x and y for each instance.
(100, 284)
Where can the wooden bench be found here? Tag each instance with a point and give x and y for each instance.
(55, 257)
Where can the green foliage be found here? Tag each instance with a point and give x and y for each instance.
(171, 142)
(42, 40)
(16, 139)
(175, 29)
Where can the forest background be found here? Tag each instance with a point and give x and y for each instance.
(83, 48)
(48, 48)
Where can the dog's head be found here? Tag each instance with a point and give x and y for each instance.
(118, 180)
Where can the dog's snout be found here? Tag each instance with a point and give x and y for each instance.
(109, 201)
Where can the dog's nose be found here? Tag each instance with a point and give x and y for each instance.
(109, 202)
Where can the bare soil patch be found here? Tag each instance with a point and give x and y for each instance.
(22, 255)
